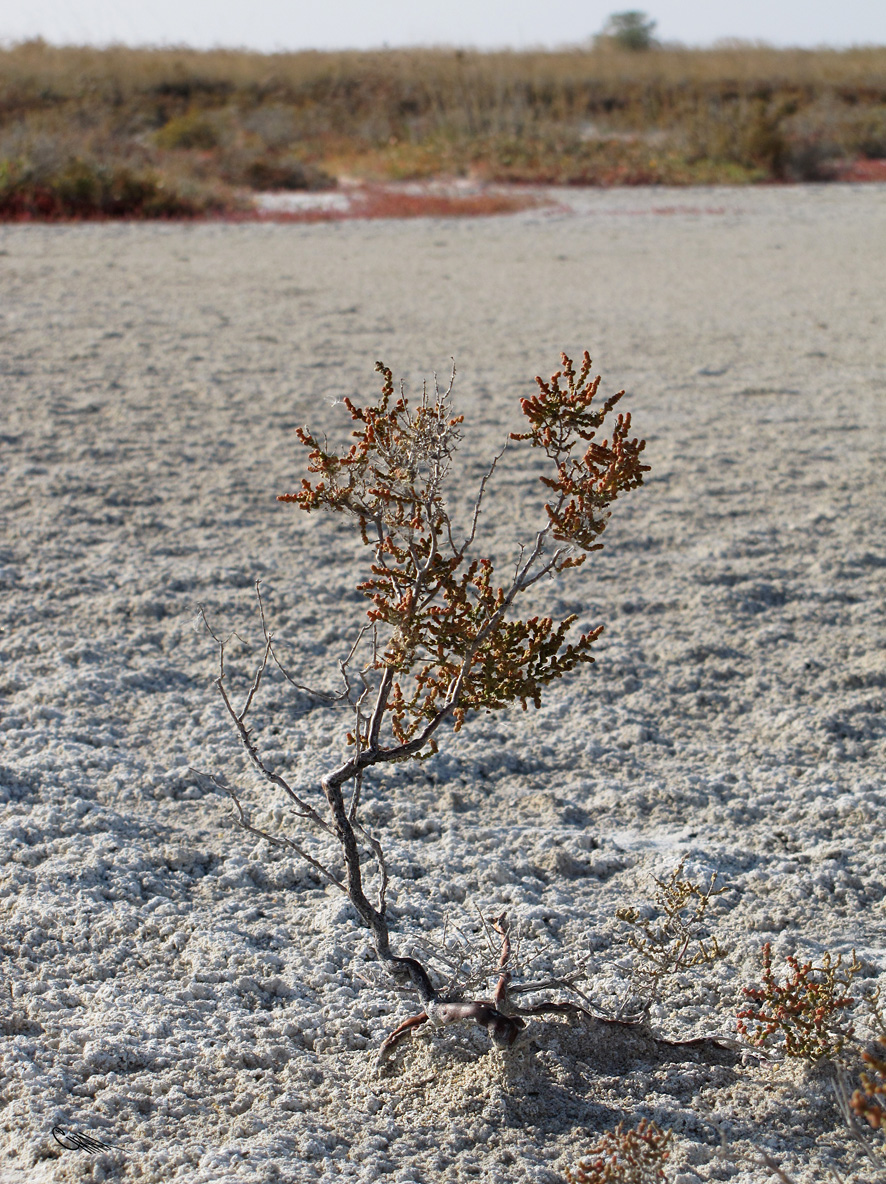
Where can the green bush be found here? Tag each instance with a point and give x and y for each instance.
(194, 130)
(262, 171)
(78, 187)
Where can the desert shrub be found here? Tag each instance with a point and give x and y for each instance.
(223, 144)
(821, 135)
(442, 639)
(636, 1156)
(85, 188)
(675, 939)
(265, 171)
(869, 1101)
(193, 130)
(47, 171)
(805, 1013)
(274, 124)
(737, 129)
(866, 133)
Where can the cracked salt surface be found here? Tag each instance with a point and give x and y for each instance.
(175, 988)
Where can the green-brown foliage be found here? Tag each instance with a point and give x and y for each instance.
(677, 938)
(81, 186)
(443, 636)
(449, 642)
(805, 1013)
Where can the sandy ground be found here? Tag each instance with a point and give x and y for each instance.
(173, 987)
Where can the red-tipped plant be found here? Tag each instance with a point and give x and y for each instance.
(806, 1012)
(622, 1156)
(442, 637)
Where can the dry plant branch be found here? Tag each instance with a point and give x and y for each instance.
(443, 638)
(674, 940)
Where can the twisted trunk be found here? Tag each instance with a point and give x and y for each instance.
(374, 918)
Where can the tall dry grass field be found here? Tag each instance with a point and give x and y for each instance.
(174, 131)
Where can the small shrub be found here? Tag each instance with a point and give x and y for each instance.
(63, 173)
(265, 172)
(677, 939)
(747, 133)
(869, 1102)
(806, 1012)
(194, 130)
(634, 1156)
(441, 639)
(81, 187)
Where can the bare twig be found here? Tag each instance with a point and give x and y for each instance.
(274, 840)
(776, 1169)
(305, 809)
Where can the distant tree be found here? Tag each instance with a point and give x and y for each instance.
(631, 31)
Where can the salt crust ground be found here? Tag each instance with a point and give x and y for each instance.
(172, 988)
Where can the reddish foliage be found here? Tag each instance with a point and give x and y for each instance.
(559, 419)
(804, 1010)
(449, 646)
(381, 201)
(862, 170)
(635, 1156)
(869, 1102)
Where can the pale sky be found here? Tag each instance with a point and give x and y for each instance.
(485, 24)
